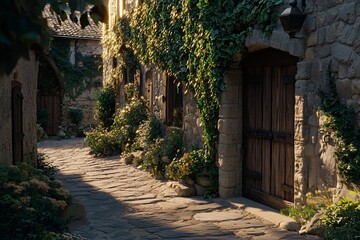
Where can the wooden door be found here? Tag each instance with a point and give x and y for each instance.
(17, 122)
(269, 90)
(174, 103)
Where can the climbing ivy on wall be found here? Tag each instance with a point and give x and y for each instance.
(78, 78)
(340, 120)
(195, 41)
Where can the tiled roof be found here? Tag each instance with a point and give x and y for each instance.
(69, 29)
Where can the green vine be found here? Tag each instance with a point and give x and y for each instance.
(195, 41)
(79, 76)
(339, 119)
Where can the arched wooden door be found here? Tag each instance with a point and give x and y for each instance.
(269, 91)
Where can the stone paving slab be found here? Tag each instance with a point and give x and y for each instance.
(125, 203)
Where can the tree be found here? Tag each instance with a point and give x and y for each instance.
(22, 25)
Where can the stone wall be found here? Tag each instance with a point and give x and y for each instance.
(25, 72)
(87, 100)
(329, 38)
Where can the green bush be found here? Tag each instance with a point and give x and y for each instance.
(103, 142)
(189, 165)
(163, 152)
(342, 220)
(173, 143)
(31, 203)
(105, 106)
(76, 115)
(147, 133)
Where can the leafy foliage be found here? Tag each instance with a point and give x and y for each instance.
(341, 220)
(22, 25)
(194, 40)
(76, 115)
(31, 202)
(105, 107)
(78, 78)
(339, 119)
(122, 132)
(189, 165)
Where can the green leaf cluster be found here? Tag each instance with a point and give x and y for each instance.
(340, 121)
(195, 41)
(77, 78)
(31, 202)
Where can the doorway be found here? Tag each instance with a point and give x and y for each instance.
(269, 101)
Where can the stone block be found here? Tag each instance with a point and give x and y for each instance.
(324, 51)
(312, 39)
(347, 12)
(203, 181)
(355, 87)
(228, 179)
(321, 35)
(231, 110)
(341, 52)
(230, 126)
(228, 150)
(297, 47)
(182, 190)
(228, 192)
(343, 87)
(231, 138)
(331, 15)
(230, 163)
(310, 53)
(304, 70)
(231, 95)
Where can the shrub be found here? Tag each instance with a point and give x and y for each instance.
(128, 119)
(105, 106)
(163, 151)
(173, 143)
(31, 202)
(316, 202)
(147, 133)
(76, 115)
(342, 220)
(189, 165)
(103, 142)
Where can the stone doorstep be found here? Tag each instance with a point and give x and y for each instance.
(265, 213)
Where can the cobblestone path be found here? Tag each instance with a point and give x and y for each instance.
(123, 202)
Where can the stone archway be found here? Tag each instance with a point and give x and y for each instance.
(231, 145)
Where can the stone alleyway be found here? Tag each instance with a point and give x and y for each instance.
(123, 202)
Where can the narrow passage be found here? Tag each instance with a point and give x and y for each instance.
(123, 202)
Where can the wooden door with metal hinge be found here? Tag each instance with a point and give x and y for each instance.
(269, 92)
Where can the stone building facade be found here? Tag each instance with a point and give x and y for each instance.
(20, 144)
(85, 41)
(328, 40)
(165, 99)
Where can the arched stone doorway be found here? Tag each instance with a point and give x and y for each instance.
(269, 101)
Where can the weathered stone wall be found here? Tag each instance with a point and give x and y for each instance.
(329, 38)
(87, 100)
(193, 133)
(26, 72)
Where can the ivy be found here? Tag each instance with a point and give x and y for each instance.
(78, 77)
(195, 41)
(339, 120)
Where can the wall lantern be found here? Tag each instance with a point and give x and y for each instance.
(292, 18)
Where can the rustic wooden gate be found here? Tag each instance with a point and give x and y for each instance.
(17, 122)
(269, 81)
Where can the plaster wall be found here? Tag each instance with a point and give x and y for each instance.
(25, 72)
